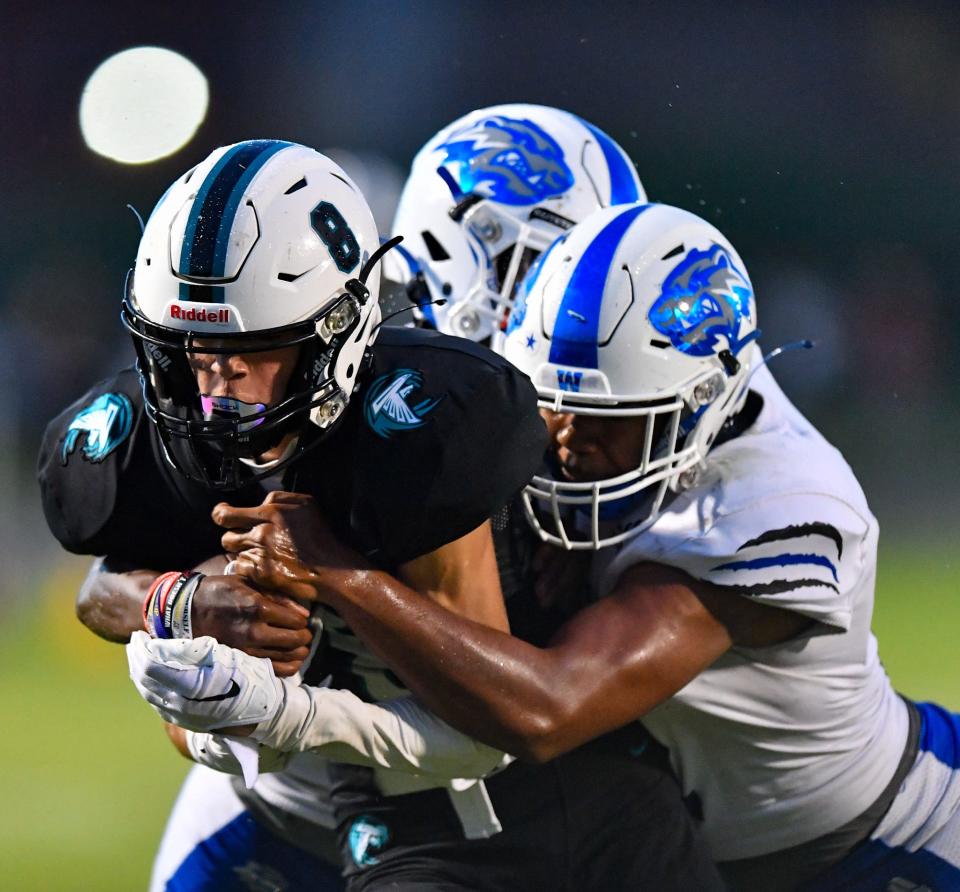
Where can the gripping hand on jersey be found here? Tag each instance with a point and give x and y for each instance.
(202, 685)
(285, 545)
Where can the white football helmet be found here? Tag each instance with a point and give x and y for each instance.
(264, 244)
(486, 195)
(641, 311)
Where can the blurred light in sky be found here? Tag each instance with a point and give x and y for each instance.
(142, 104)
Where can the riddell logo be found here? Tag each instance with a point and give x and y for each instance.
(219, 316)
(161, 358)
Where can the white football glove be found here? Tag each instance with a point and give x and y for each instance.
(202, 685)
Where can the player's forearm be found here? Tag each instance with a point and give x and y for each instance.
(400, 735)
(488, 684)
(110, 601)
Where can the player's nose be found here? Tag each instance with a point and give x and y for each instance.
(229, 366)
(573, 432)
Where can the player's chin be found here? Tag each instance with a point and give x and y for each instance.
(582, 472)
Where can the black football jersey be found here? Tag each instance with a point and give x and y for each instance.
(438, 437)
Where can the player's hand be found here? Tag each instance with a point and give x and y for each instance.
(285, 545)
(274, 627)
(202, 685)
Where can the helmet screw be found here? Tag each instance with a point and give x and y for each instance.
(487, 229)
(339, 318)
(688, 478)
(332, 408)
(468, 322)
(707, 391)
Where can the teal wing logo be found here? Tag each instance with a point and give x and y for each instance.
(386, 407)
(368, 837)
(106, 423)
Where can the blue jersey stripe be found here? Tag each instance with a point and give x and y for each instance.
(576, 330)
(940, 733)
(207, 233)
(623, 182)
(780, 560)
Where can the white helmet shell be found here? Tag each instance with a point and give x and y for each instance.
(643, 310)
(488, 193)
(260, 235)
(264, 244)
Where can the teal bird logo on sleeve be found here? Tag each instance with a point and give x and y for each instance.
(386, 407)
(105, 423)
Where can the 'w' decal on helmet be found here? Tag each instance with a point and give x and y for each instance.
(386, 408)
(704, 298)
(508, 160)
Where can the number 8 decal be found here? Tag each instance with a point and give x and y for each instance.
(336, 235)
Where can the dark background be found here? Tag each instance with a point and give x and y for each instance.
(823, 139)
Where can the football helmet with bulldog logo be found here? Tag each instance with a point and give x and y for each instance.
(643, 312)
(485, 196)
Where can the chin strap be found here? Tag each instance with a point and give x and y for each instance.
(376, 256)
(358, 287)
(439, 302)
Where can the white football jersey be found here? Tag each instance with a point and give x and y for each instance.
(780, 744)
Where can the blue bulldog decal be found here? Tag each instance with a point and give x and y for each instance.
(702, 303)
(508, 160)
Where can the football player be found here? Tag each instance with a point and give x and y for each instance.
(254, 321)
(734, 569)
(485, 196)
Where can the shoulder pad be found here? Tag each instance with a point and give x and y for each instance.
(445, 433)
(106, 489)
(803, 552)
(80, 456)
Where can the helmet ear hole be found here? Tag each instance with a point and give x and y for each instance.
(435, 249)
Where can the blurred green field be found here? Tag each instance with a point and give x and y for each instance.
(88, 776)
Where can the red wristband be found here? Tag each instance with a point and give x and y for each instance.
(152, 610)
